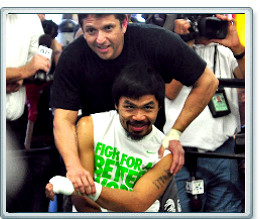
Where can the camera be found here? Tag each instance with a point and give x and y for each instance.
(207, 26)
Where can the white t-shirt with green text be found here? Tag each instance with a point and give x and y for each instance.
(119, 160)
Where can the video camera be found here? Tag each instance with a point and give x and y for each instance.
(207, 26)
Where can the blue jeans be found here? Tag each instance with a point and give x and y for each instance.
(223, 188)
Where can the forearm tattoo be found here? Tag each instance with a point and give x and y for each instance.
(162, 180)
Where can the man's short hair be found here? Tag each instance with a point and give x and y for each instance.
(137, 80)
(81, 17)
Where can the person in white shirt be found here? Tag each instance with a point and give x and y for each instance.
(223, 187)
(22, 60)
(22, 35)
(120, 149)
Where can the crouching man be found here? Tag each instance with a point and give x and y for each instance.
(120, 150)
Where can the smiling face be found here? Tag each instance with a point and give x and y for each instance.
(138, 115)
(104, 35)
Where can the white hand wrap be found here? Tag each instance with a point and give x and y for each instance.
(173, 134)
(62, 185)
(95, 196)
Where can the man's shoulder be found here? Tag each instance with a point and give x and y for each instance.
(224, 50)
(143, 28)
(104, 116)
(150, 35)
(104, 124)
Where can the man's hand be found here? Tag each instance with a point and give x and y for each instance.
(13, 86)
(37, 63)
(181, 26)
(171, 141)
(178, 155)
(81, 179)
(232, 39)
(49, 191)
(62, 185)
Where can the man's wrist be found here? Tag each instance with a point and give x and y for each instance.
(72, 162)
(27, 71)
(173, 134)
(95, 196)
(238, 51)
(62, 185)
(240, 55)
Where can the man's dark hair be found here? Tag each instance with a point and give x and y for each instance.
(50, 28)
(120, 17)
(137, 80)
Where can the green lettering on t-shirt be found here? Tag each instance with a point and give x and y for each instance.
(100, 148)
(99, 162)
(117, 173)
(108, 151)
(112, 185)
(123, 187)
(104, 182)
(108, 169)
(115, 154)
(130, 162)
(123, 158)
(123, 171)
(97, 179)
(131, 178)
(138, 164)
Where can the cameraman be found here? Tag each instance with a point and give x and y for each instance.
(223, 190)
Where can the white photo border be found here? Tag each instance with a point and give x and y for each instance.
(249, 85)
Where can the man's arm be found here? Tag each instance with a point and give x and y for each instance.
(148, 188)
(13, 86)
(64, 129)
(145, 192)
(195, 103)
(38, 62)
(85, 137)
(199, 97)
(172, 89)
(232, 41)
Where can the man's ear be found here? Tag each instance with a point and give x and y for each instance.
(124, 24)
